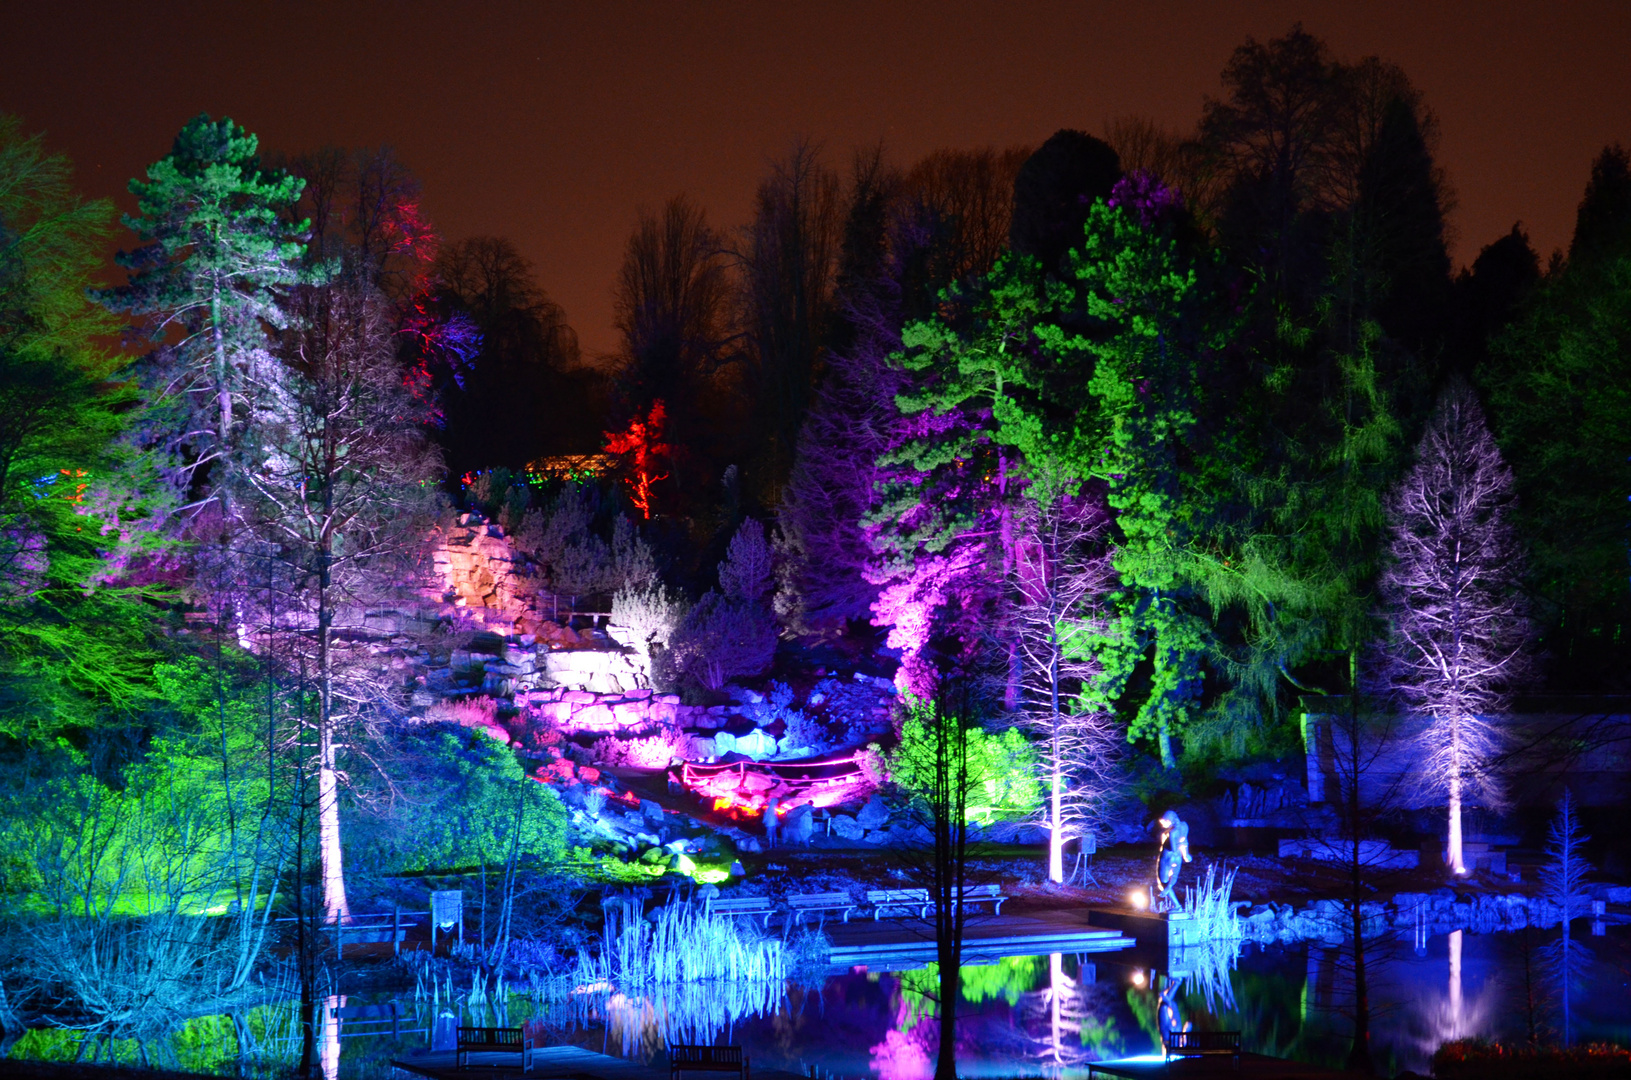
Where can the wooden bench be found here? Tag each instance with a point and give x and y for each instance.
(819, 904)
(488, 1040)
(891, 899)
(686, 1058)
(882, 899)
(743, 905)
(1203, 1044)
(984, 894)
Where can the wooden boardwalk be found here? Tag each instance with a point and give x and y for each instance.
(551, 1063)
(894, 944)
(1252, 1067)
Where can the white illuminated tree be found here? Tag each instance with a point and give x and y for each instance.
(1060, 577)
(1458, 624)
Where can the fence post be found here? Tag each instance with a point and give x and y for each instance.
(339, 937)
(396, 933)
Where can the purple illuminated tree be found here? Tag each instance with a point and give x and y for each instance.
(1459, 628)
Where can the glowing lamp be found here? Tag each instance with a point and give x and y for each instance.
(1138, 899)
(1138, 979)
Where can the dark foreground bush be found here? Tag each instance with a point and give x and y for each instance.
(1474, 1059)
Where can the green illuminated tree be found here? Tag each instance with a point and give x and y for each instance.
(72, 640)
(216, 254)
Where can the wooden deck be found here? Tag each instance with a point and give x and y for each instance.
(895, 944)
(551, 1063)
(1252, 1067)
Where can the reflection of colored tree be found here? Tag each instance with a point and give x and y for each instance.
(1007, 979)
(906, 1050)
(1100, 1036)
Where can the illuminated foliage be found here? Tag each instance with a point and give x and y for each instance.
(641, 445)
(74, 546)
(1002, 774)
(461, 798)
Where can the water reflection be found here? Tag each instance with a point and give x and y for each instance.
(1023, 1016)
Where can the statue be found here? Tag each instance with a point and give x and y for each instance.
(1174, 852)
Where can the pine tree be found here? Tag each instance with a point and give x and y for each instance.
(217, 253)
(1451, 588)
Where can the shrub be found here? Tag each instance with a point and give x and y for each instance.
(645, 617)
(1002, 766)
(457, 799)
(723, 639)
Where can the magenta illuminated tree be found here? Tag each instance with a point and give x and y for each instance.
(1459, 628)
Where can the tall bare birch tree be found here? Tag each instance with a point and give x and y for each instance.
(1060, 574)
(342, 494)
(1458, 624)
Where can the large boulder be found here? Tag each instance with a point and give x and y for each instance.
(756, 745)
(846, 828)
(873, 815)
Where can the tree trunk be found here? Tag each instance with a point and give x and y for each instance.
(335, 908)
(1453, 855)
(1168, 761)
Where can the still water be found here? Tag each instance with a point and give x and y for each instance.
(1033, 1015)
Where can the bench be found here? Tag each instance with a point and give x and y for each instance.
(743, 905)
(982, 894)
(891, 899)
(882, 899)
(686, 1058)
(488, 1040)
(1188, 1044)
(820, 904)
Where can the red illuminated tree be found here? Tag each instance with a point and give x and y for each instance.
(641, 445)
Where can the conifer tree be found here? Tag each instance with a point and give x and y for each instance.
(72, 632)
(216, 253)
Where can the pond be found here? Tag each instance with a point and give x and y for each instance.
(1040, 1015)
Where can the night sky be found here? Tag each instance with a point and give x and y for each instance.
(552, 123)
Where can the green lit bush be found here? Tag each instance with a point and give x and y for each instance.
(453, 799)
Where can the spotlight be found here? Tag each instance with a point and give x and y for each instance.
(1138, 899)
(1138, 979)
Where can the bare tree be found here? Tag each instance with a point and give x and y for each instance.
(341, 497)
(671, 302)
(970, 196)
(1459, 628)
(1060, 573)
(789, 258)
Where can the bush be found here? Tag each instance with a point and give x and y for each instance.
(456, 801)
(644, 617)
(722, 639)
(1003, 777)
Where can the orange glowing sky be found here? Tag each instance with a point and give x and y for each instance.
(552, 123)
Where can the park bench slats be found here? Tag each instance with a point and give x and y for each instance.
(488, 1040)
(1202, 1043)
(743, 905)
(883, 900)
(820, 904)
(684, 1057)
